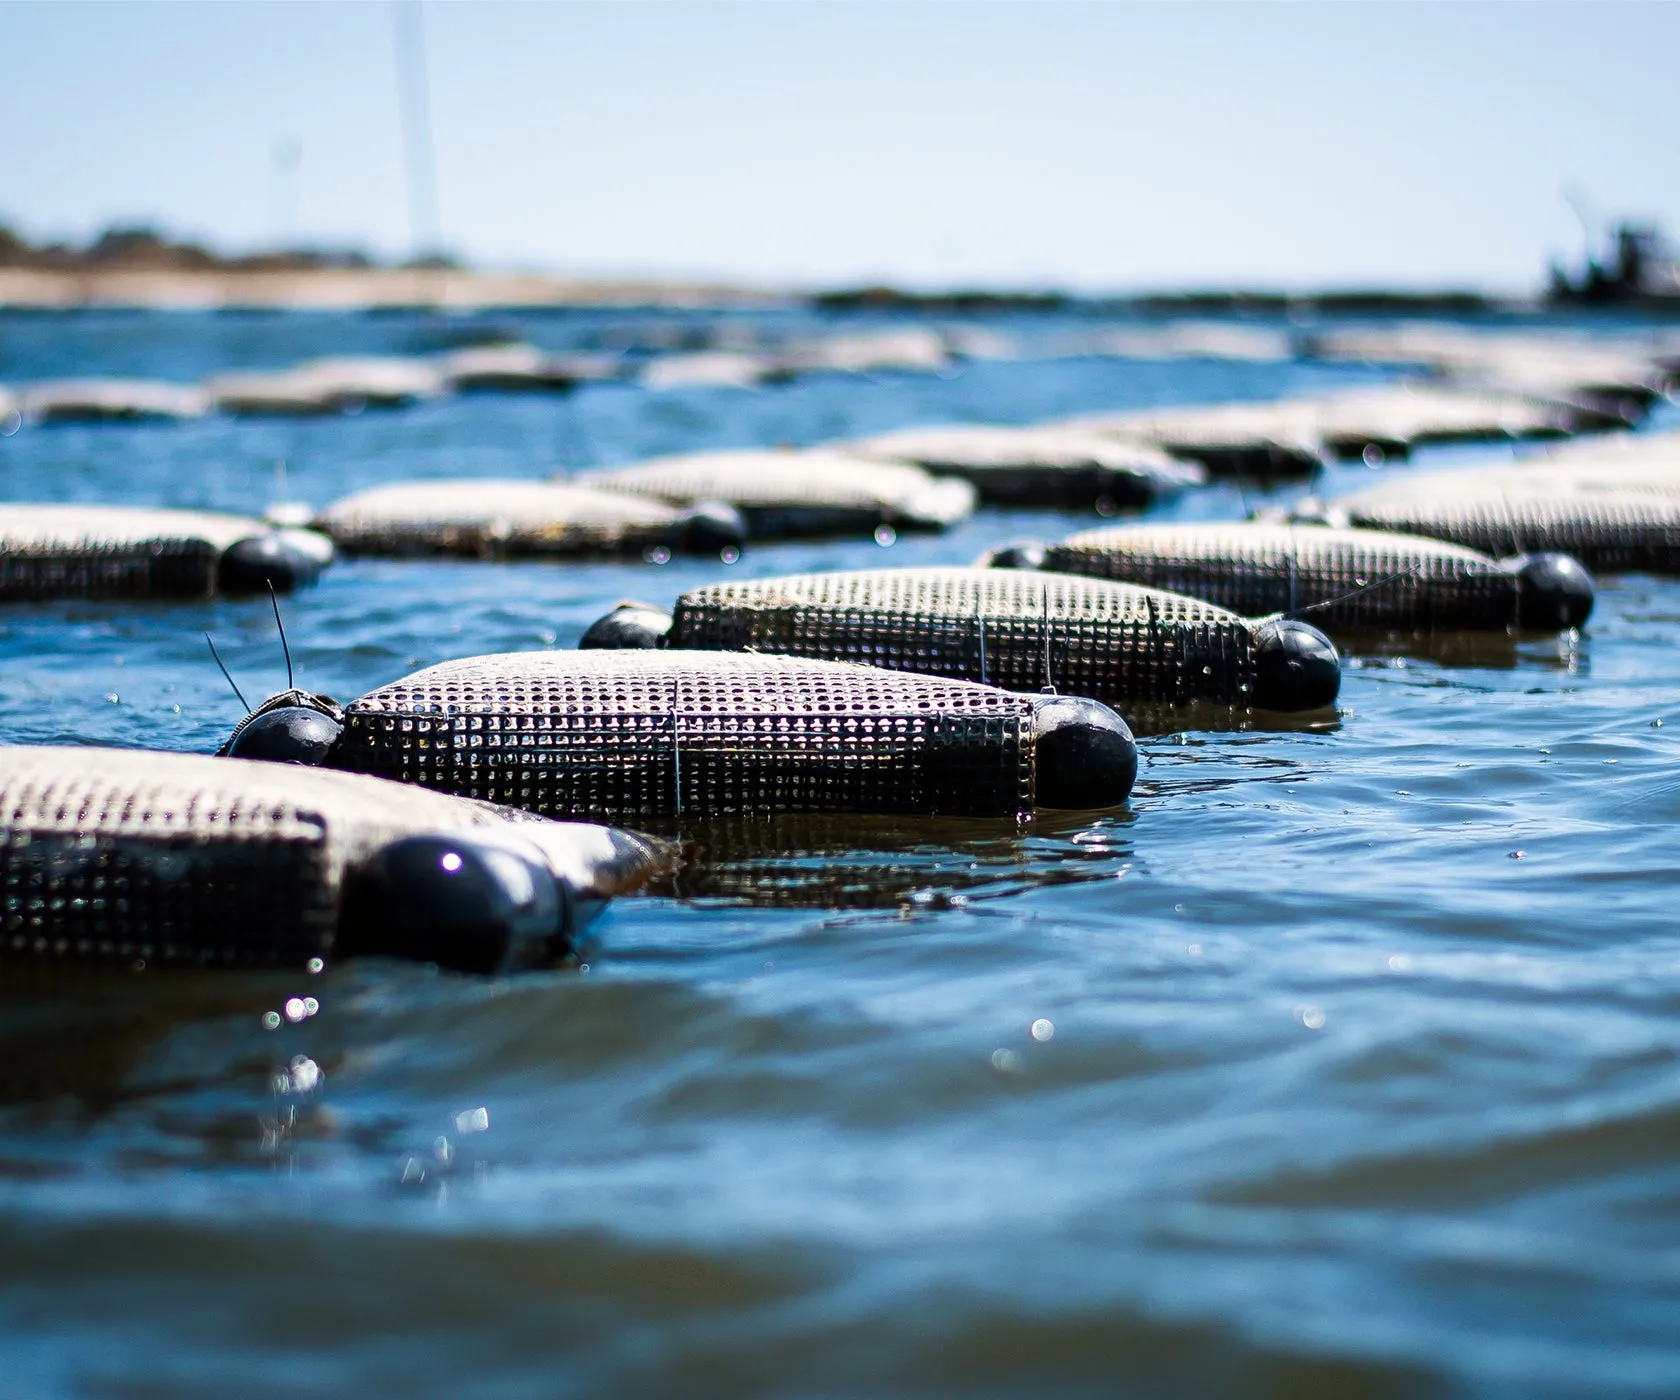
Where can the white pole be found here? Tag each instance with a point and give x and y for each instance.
(415, 105)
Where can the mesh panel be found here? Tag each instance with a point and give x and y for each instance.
(793, 493)
(1630, 472)
(633, 736)
(1105, 640)
(1645, 464)
(387, 381)
(117, 855)
(1289, 434)
(108, 552)
(1412, 415)
(496, 518)
(519, 368)
(1543, 362)
(105, 859)
(1607, 531)
(98, 400)
(1612, 450)
(1257, 569)
(1039, 467)
(1262, 440)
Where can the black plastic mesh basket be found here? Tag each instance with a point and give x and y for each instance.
(792, 494)
(1013, 628)
(497, 519)
(638, 735)
(114, 855)
(1040, 466)
(1608, 531)
(1349, 579)
(112, 552)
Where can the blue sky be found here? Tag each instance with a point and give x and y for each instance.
(1109, 146)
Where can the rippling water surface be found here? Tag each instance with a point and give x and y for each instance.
(1344, 1060)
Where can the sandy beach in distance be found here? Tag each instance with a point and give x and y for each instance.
(345, 289)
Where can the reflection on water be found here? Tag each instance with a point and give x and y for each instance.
(1150, 720)
(84, 1034)
(849, 862)
(1343, 1060)
(1502, 651)
(152, 1074)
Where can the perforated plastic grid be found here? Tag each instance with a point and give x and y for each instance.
(1013, 628)
(1073, 486)
(1369, 578)
(637, 736)
(1392, 418)
(1011, 466)
(103, 552)
(167, 569)
(1608, 531)
(1227, 439)
(496, 518)
(826, 479)
(812, 492)
(124, 855)
(105, 860)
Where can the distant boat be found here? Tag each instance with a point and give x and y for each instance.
(1641, 268)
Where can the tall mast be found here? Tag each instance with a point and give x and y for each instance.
(414, 102)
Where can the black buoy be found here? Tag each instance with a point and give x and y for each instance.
(628, 627)
(1086, 757)
(291, 734)
(254, 564)
(1553, 591)
(1295, 666)
(710, 527)
(292, 727)
(464, 903)
(1016, 554)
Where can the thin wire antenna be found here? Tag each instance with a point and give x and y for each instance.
(1581, 207)
(1049, 680)
(1509, 520)
(1353, 593)
(676, 746)
(1155, 639)
(275, 602)
(244, 703)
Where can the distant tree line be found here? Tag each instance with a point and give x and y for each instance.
(139, 247)
(1358, 301)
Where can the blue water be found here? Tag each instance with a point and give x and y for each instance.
(1356, 1067)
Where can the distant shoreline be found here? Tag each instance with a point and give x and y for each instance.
(1189, 302)
(351, 289)
(140, 268)
(42, 289)
(449, 289)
